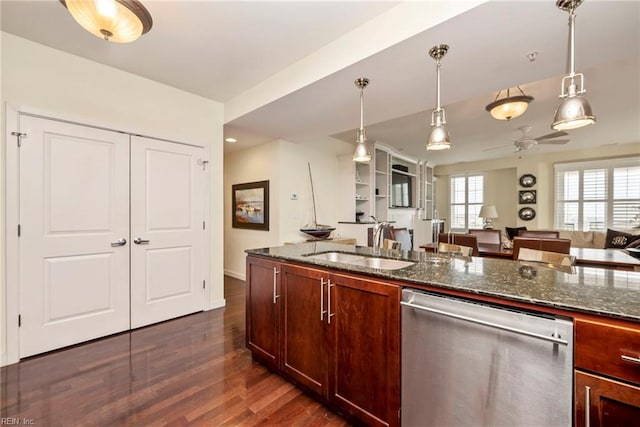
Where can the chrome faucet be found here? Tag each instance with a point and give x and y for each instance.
(378, 233)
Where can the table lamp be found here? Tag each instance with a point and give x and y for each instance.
(488, 212)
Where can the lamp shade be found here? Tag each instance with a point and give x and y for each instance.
(509, 108)
(120, 21)
(573, 112)
(439, 138)
(362, 152)
(488, 211)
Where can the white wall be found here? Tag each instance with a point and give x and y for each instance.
(502, 181)
(284, 164)
(57, 83)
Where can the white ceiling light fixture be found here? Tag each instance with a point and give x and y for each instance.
(439, 138)
(509, 107)
(230, 140)
(120, 21)
(574, 110)
(362, 152)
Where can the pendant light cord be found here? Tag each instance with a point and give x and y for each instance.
(438, 85)
(572, 16)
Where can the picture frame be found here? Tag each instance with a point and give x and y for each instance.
(250, 205)
(527, 197)
(527, 180)
(527, 214)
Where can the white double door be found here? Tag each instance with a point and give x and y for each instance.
(111, 233)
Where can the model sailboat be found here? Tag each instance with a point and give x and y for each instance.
(315, 230)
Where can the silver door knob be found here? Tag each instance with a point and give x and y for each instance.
(139, 241)
(120, 242)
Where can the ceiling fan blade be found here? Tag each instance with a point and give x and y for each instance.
(497, 148)
(554, 141)
(551, 135)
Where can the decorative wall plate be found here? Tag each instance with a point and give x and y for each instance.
(527, 214)
(527, 197)
(527, 180)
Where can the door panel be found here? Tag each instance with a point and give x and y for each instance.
(74, 201)
(166, 214)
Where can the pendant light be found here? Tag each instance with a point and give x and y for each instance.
(510, 107)
(120, 21)
(362, 153)
(439, 138)
(574, 110)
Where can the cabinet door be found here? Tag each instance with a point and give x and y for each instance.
(263, 309)
(610, 403)
(304, 348)
(365, 348)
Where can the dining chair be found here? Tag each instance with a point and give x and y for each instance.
(468, 240)
(492, 237)
(562, 246)
(534, 255)
(540, 234)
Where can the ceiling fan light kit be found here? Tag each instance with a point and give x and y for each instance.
(439, 138)
(120, 21)
(574, 110)
(509, 107)
(362, 152)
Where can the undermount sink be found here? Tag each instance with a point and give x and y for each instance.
(365, 261)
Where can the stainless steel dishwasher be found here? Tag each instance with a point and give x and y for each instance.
(470, 364)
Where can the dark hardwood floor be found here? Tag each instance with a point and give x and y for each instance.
(194, 370)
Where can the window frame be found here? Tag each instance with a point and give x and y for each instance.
(466, 203)
(609, 165)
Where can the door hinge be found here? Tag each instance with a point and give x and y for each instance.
(19, 320)
(203, 226)
(203, 284)
(19, 136)
(19, 230)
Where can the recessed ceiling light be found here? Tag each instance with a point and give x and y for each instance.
(230, 140)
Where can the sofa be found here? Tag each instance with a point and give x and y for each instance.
(588, 239)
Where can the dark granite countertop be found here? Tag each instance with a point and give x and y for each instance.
(599, 291)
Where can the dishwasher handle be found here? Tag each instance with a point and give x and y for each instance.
(485, 323)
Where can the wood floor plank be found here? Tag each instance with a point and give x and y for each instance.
(191, 371)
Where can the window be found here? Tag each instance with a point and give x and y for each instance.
(467, 197)
(598, 195)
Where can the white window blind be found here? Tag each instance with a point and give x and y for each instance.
(598, 195)
(466, 199)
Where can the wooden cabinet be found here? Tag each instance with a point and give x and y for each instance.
(304, 342)
(607, 376)
(339, 337)
(365, 349)
(263, 310)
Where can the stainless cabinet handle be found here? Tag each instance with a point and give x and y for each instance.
(275, 275)
(139, 241)
(630, 359)
(553, 339)
(587, 406)
(329, 314)
(120, 242)
(322, 310)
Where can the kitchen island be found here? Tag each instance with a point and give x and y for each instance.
(334, 328)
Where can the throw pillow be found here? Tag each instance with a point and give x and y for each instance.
(634, 244)
(513, 231)
(619, 239)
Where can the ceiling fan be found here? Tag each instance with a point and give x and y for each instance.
(525, 141)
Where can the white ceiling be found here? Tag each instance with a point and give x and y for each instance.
(224, 50)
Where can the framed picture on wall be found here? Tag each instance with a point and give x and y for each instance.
(250, 204)
(527, 197)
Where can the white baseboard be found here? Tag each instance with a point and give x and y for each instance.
(239, 276)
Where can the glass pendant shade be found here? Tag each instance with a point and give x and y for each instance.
(362, 153)
(509, 107)
(120, 21)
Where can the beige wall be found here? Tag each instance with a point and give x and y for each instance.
(502, 181)
(66, 86)
(284, 164)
